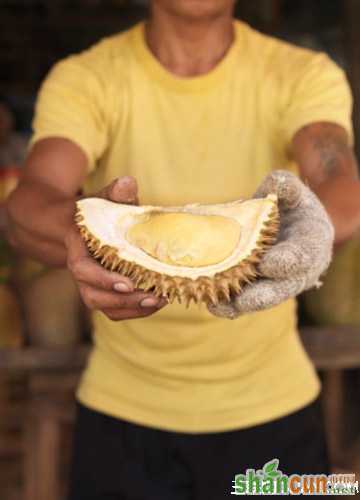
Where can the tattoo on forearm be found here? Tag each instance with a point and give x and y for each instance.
(333, 152)
(324, 150)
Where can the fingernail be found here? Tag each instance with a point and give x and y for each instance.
(121, 287)
(149, 302)
(126, 180)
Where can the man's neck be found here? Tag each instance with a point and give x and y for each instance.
(189, 48)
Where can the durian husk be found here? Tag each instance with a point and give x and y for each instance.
(210, 290)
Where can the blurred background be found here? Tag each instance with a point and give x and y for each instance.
(44, 330)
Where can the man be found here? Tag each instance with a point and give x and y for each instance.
(197, 108)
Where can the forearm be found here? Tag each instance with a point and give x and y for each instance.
(341, 198)
(328, 166)
(40, 249)
(39, 218)
(41, 210)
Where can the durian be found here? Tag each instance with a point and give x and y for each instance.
(203, 253)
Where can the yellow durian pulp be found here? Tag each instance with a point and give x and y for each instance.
(196, 252)
(184, 239)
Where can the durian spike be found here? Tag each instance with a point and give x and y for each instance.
(183, 289)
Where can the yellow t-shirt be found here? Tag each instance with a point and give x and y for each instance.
(208, 139)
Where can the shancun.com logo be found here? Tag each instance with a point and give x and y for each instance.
(271, 481)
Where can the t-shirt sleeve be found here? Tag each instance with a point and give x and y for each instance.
(71, 105)
(319, 92)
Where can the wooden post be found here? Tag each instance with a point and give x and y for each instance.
(333, 407)
(51, 404)
(42, 445)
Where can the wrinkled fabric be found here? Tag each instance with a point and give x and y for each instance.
(300, 256)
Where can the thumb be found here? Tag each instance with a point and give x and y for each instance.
(121, 190)
(287, 186)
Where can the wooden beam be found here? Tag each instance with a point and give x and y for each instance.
(333, 347)
(32, 359)
(329, 347)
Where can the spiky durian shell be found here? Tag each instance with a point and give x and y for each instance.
(184, 289)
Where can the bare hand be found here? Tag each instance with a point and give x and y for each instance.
(103, 290)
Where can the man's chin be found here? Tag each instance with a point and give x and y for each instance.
(197, 10)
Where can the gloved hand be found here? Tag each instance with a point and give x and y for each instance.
(302, 253)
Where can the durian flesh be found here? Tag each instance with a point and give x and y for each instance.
(182, 239)
(202, 253)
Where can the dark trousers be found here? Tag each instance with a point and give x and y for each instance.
(117, 460)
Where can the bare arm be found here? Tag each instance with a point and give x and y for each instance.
(41, 209)
(41, 225)
(328, 165)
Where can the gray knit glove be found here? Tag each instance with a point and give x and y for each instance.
(302, 253)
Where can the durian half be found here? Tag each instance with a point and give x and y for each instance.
(196, 252)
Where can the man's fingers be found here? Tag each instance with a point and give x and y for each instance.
(287, 187)
(85, 269)
(264, 294)
(285, 259)
(305, 245)
(224, 310)
(75, 245)
(124, 314)
(124, 190)
(103, 299)
(260, 295)
(121, 190)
